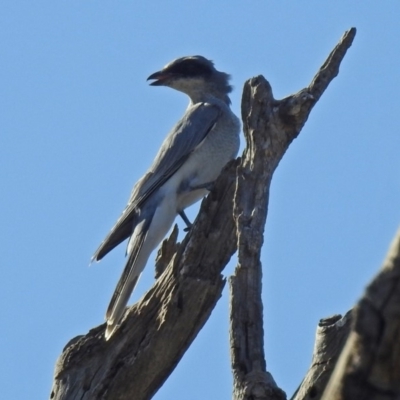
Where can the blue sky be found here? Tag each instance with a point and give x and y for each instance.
(79, 125)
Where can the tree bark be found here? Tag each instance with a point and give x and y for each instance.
(369, 365)
(358, 356)
(156, 331)
(331, 336)
(269, 127)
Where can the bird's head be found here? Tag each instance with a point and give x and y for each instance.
(194, 75)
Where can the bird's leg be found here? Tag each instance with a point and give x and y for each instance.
(208, 186)
(185, 220)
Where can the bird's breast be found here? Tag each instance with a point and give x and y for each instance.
(206, 162)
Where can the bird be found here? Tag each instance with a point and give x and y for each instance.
(189, 161)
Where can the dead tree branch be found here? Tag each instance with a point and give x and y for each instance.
(358, 356)
(269, 127)
(369, 365)
(156, 332)
(330, 339)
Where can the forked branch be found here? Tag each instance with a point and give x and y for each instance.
(157, 330)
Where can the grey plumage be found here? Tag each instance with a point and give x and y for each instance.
(189, 160)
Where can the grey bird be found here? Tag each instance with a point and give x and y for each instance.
(188, 162)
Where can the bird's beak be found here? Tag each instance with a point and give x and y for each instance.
(159, 78)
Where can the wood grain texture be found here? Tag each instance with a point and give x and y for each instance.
(269, 126)
(330, 339)
(156, 331)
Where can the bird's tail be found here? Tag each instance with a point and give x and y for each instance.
(130, 276)
(155, 220)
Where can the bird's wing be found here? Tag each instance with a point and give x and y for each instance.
(187, 134)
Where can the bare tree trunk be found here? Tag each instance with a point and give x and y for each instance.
(269, 127)
(156, 331)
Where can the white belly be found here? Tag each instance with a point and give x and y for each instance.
(206, 162)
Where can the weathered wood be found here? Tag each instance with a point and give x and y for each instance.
(358, 356)
(269, 127)
(369, 365)
(169, 247)
(157, 331)
(330, 338)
